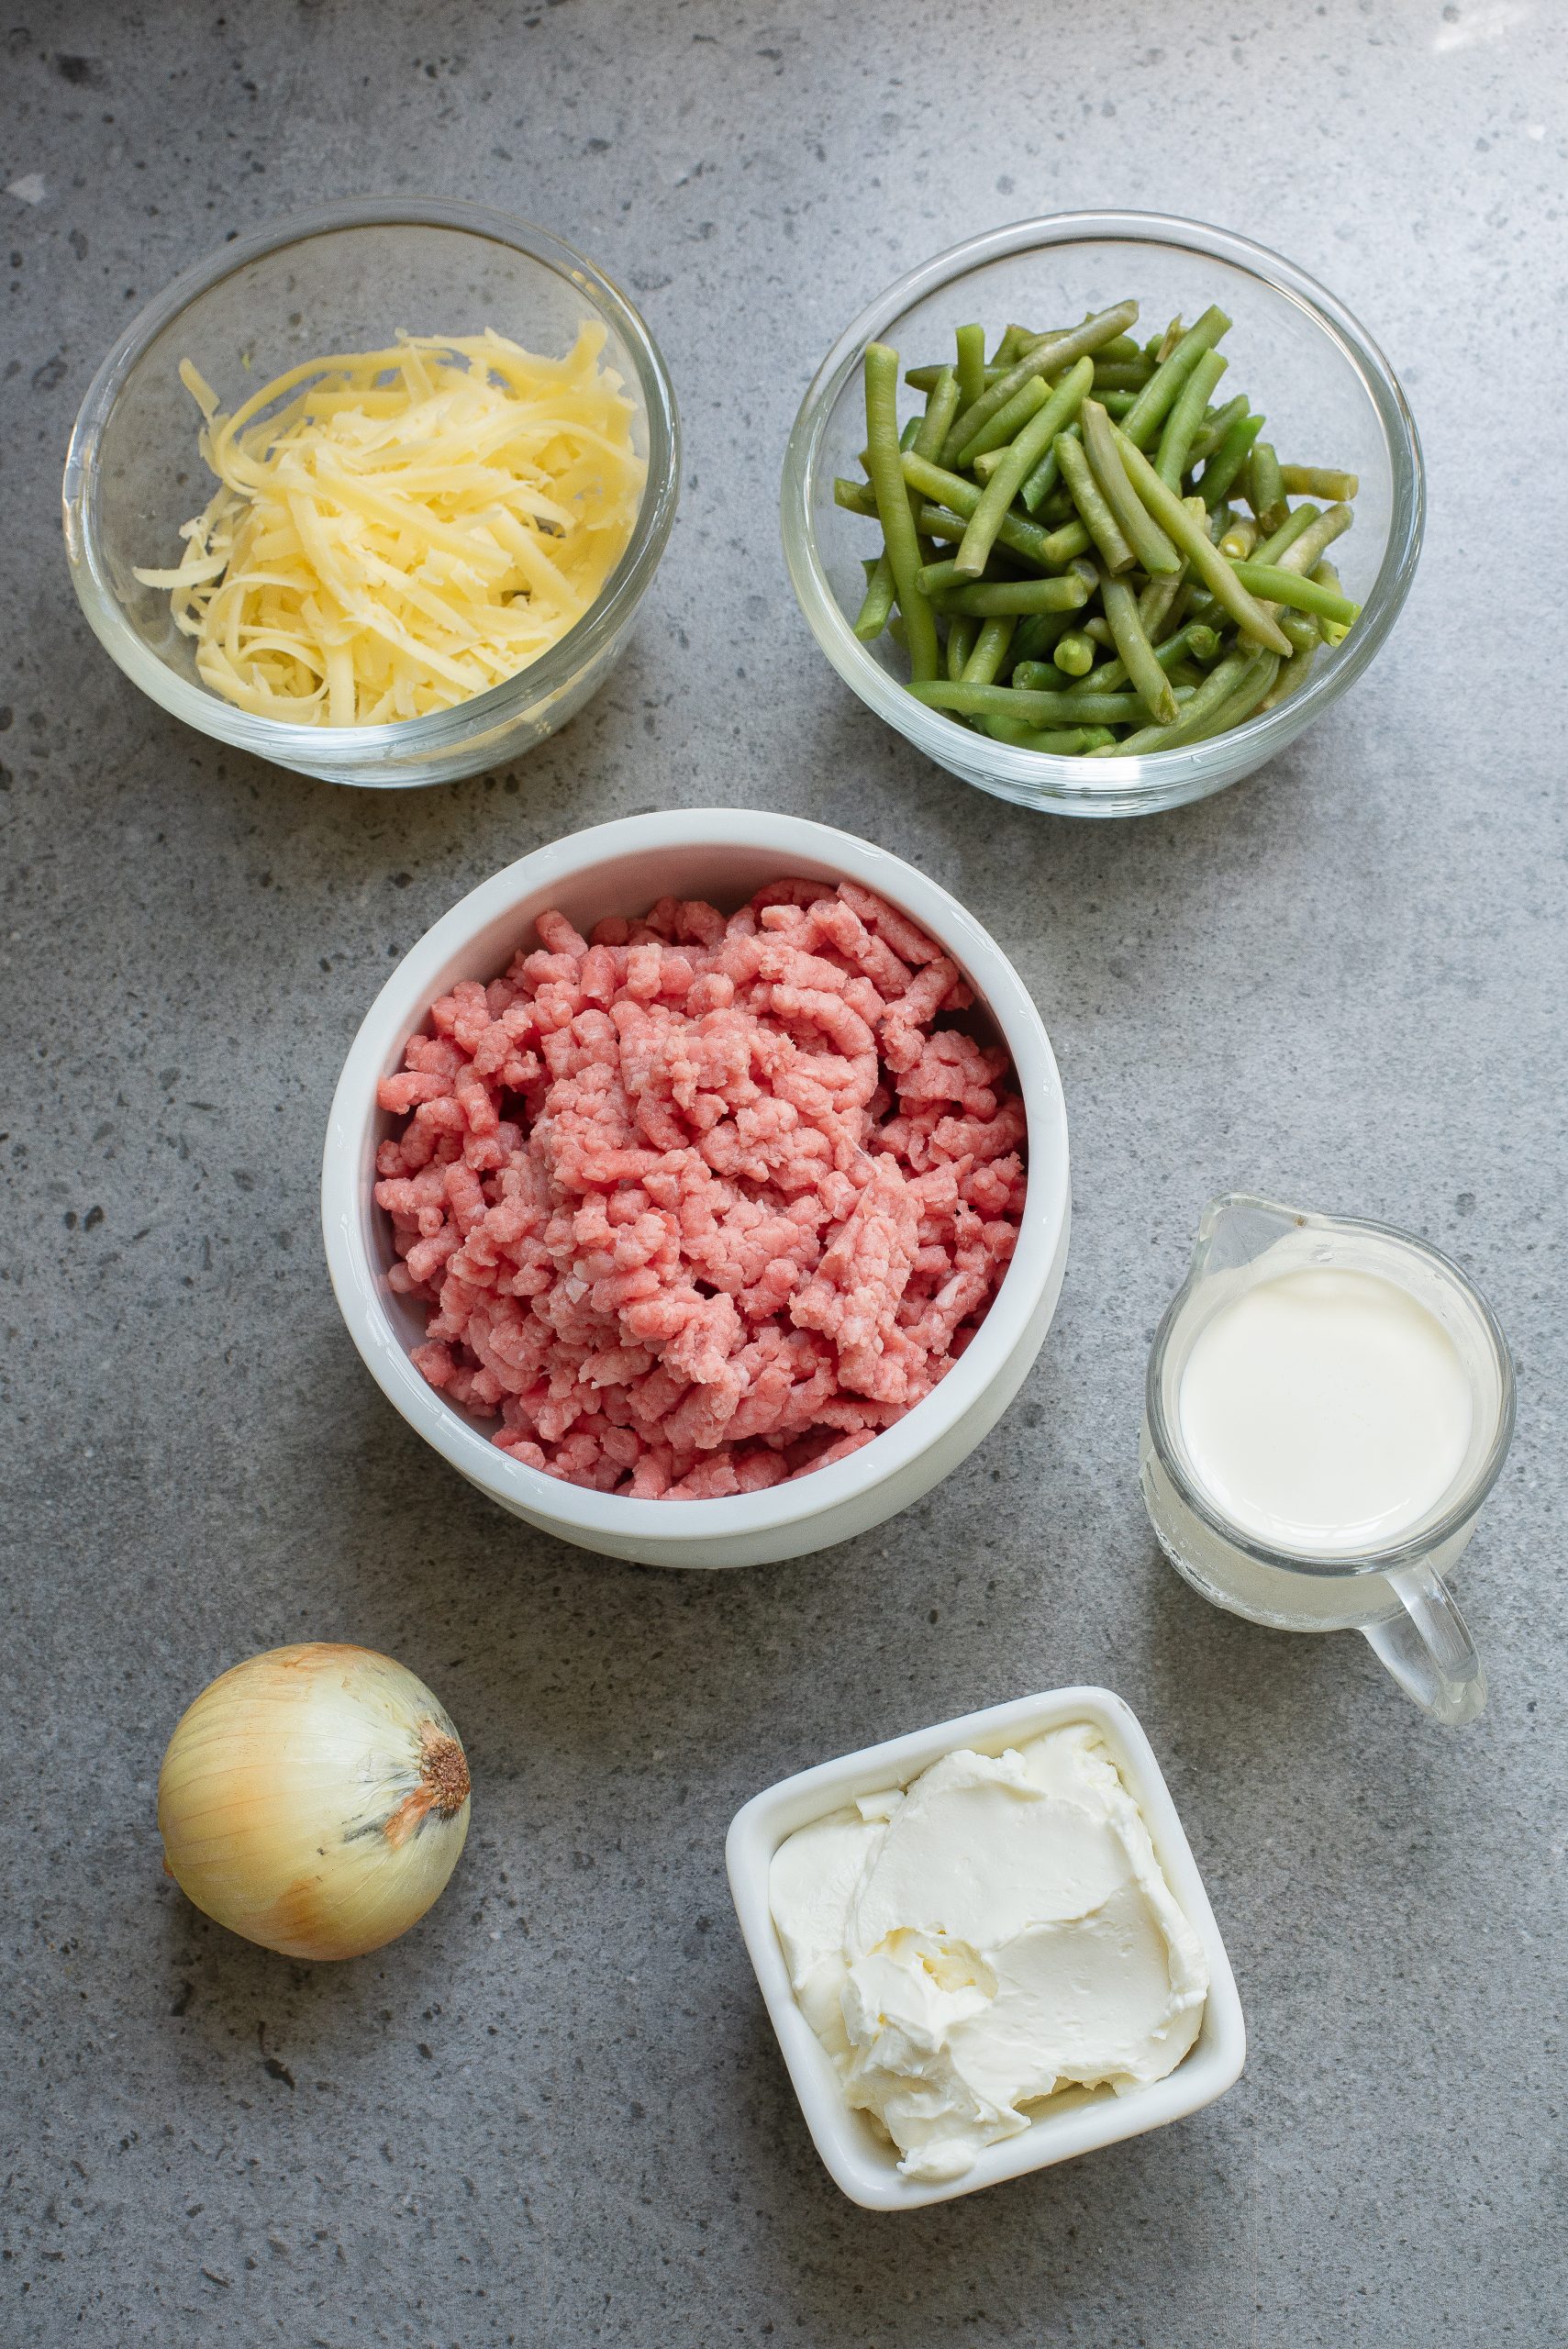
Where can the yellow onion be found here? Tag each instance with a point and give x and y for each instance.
(314, 1799)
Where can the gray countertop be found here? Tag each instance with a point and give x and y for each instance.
(555, 2114)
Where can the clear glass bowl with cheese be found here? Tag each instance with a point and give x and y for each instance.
(984, 1947)
(357, 278)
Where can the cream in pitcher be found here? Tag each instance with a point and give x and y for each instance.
(1328, 1403)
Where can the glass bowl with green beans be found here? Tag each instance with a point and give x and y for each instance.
(1100, 511)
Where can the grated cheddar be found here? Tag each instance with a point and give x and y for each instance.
(412, 526)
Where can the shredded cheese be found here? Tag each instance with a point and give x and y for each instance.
(408, 528)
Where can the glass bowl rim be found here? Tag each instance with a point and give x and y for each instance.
(438, 731)
(1389, 1556)
(1045, 780)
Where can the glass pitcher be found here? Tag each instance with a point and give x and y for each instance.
(1397, 1596)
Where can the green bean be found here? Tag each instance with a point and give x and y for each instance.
(1265, 491)
(1218, 576)
(1160, 350)
(1279, 585)
(1228, 459)
(1031, 708)
(1062, 743)
(1331, 631)
(1049, 356)
(1317, 481)
(1316, 539)
(962, 636)
(1010, 347)
(970, 367)
(1023, 541)
(1120, 375)
(1008, 422)
(1253, 688)
(1300, 628)
(1121, 346)
(932, 577)
(1065, 401)
(1098, 633)
(1035, 635)
(1211, 695)
(990, 651)
(1144, 672)
(854, 496)
(1142, 533)
(1159, 396)
(1238, 541)
(1022, 457)
(1070, 540)
(901, 545)
(873, 613)
(1196, 640)
(1292, 676)
(1270, 549)
(924, 379)
(1026, 539)
(1069, 592)
(1075, 654)
(1216, 427)
(1187, 412)
(1093, 509)
(940, 409)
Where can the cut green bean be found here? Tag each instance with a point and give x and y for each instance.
(1222, 469)
(1218, 576)
(1317, 539)
(1024, 541)
(1062, 408)
(924, 379)
(970, 366)
(1121, 346)
(1137, 526)
(901, 546)
(1005, 425)
(962, 636)
(1064, 742)
(1064, 544)
(1074, 653)
(989, 655)
(1300, 628)
(1033, 708)
(1265, 491)
(1278, 585)
(1144, 674)
(1013, 340)
(1027, 541)
(1292, 676)
(1093, 508)
(1331, 631)
(1120, 375)
(1187, 412)
(1216, 427)
(1270, 549)
(872, 616)
(1036, 633)
(1024, 454)
(1236, 543)
(1254, 688)
(940, 409)
(1069, 592)
(1317, 481)
(854, 496)
(1210, 696)
(1049, 356)
(1201, 643)
(1159, 396)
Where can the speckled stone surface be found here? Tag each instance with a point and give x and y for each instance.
(555, 2114)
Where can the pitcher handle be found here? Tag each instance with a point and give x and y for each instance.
(1428, 1649)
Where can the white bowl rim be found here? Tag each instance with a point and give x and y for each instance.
(870, 2177)
(281, 739)
(377, 1048)
(1048, 780)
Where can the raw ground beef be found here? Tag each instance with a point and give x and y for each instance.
(702, 1203)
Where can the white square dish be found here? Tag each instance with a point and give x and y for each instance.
(858, 2158)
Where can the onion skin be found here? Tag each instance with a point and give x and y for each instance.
(314, 1799)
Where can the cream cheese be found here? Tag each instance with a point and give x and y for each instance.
(999, 1929)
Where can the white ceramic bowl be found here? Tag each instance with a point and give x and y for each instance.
(858, 2157)
(723, 855)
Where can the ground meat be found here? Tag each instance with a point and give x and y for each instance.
(697, 1204)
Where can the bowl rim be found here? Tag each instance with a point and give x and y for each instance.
(438, 731)
(1154, 780)
(865, 2170)
(674, 1526)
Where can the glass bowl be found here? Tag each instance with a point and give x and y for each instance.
(347, 278)
(1330, 399)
